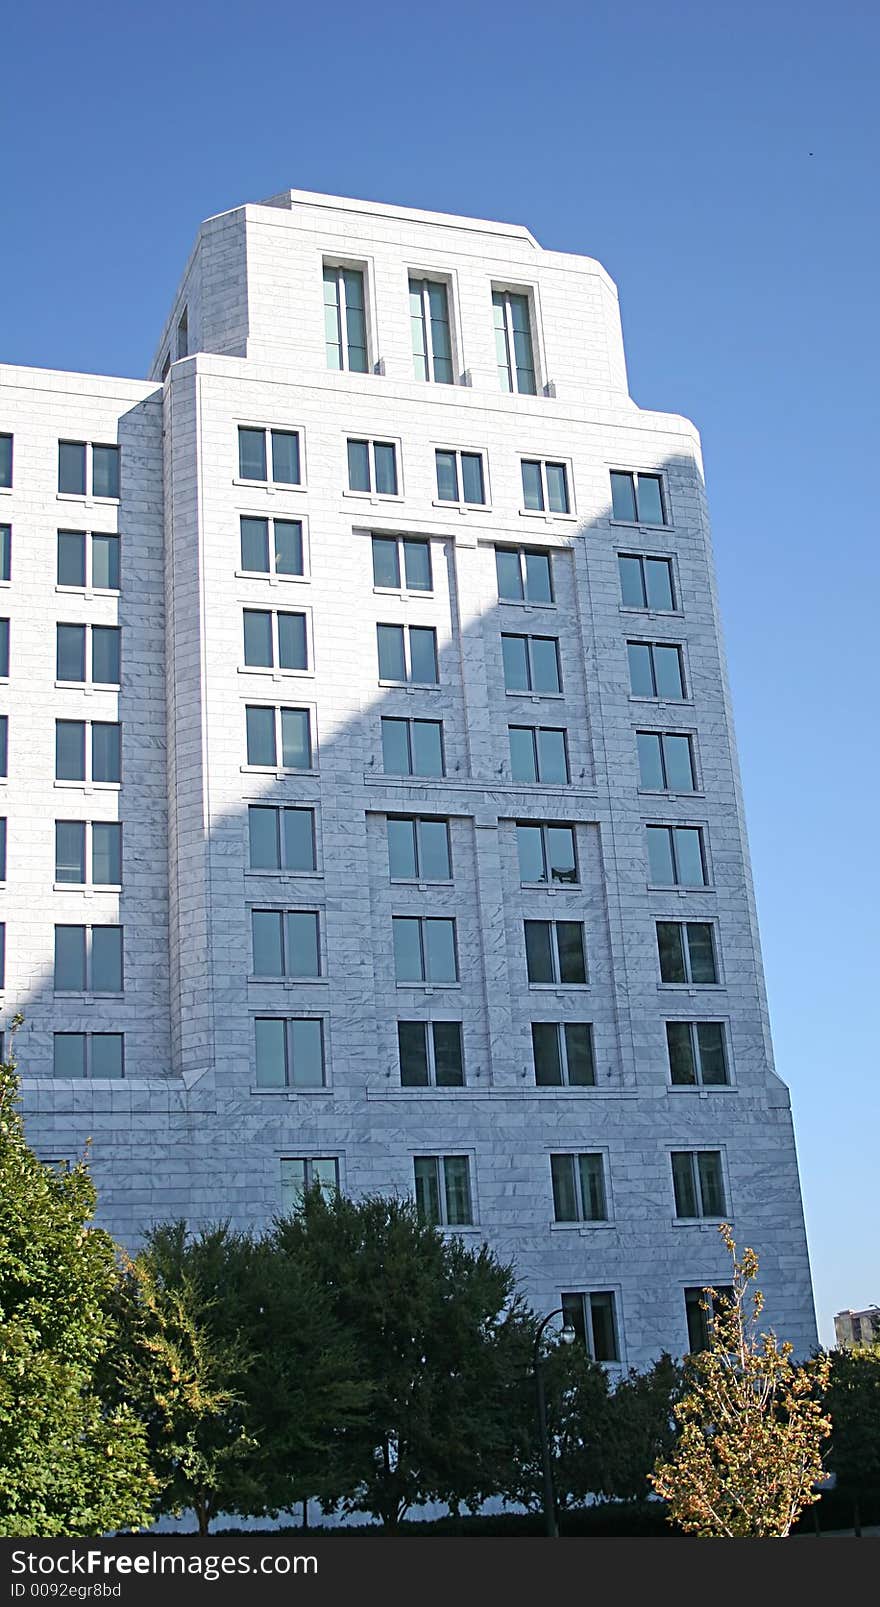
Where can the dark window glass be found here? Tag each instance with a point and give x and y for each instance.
(473, 487)
(427, 748)
(440, 959)
(4, 648)
(271, 1059)
(106, 959)
(661, 868)
(539, 588)
(296, 739)
(417, 565)
(6, 461)
(632, 590)
(561, 858)
(70, 959)
(557, 487)
(591, 1177)
(255, 545)
(306, 1041)
(288, 547)
(564, 1196)
(539, 951)
(579, 1054)
(251, 454)
(392, 659)
(71, 558)
(413, 1049)
(427, 1182)
(530, 844)
(650, 760)
(106, 751)
(285, 457)
(292, 642)
(545, 664)
(641, 673)
(689, 856)
(258, 638)
(684, 1184)
(386, 468)
(533, 490)
(70, 851)
(395, 748)
(604, 1328)
(711, 1183)
(70, 652)
(678, 763)
(701, 951)
(408, 960)
(267, 929)
(105, 562)
(106, 665)
(423, 654)
(572, 962)
(72, 468)
(5, 552)
(106, 853)
(552, 757)
(671, 951)
(447, 476)
(713, 1059)
(523, 755)
(573, 1315)
(386, 569)
(359, 466)
(261, 736)
(448, 1059)
(433, 843)
(70, 750)
(623, 497)
(456, 1172)
(105, 471)
(515, 658)
(667, 670)
(402, 861)
(4, 744)
(546, 1052)
(682, 1069)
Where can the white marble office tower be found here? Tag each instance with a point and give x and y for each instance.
(386, 506)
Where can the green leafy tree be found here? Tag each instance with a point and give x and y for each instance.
(577, 1397)
(640, 1428)
(73, 1461)
(240, 1371)
(748, 1456)
(442, 1340)
(853, 1404)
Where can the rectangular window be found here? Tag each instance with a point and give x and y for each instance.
(697, 1054)
(87, 470)
(88, 1054)
(461, 478)
(513, 342)
(289, 1053)
(4, 649)
(698, 1183)
(412, 748)
(2, 848)
(524, 575)
(637, 498)
(4, 745)
(286, 943)
(656, 670)
(563, 1054)
(104, 658)
(594, 1320)
(555, 952)
(88, 560)
(372, 467)
(424, 950)
(430, 1054)
(443, 1190)
(272, 546)
(687, 952)
(6, 462)
(281, 838)
(666, 761)
(275, 640)
(431, 338)
(304, 1173)
(5, 552)
(272, 731)
(418, 849)
(545, 486)
(345, 319)
(282, 454)
(538, 754)
(546, 853)
(531, 664)
(73, 838)
(646, 583)
(579, 1193)
(88, 959)
(72, 751)
(676, 857)
(106, 751)
(696, 1302)
(402, 563)
(408, 654)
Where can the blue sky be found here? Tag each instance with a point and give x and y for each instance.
(721, 161)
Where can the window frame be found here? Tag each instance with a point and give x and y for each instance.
(535, 730)
(671, 827)
(555, 981)
(460, 502)
(89, 628)
(693, 1025)
(89, 494)
(586, 1322)
(371, 442)
(575, 1182)
(666, 790)
(5, 554)
(724, 1291)
(88, 586)
(409, 721)
(428, 1027)
(309, 1180)
(276, 769)
(87, 780)
(8, 485)
(426, 981)
(87, 1075)
(89, 884)
(642, 558)
(562, 1053)
(406, 629)
(665, 502)
(523, 553)
(418, 284)
(528, 293)
(655, 696)
(417, 822)
(290, 1085)
(286, 976)
(273, 574)
(276, 669)
(529, 691)
(441, 1176)
(697, 1187)
(544, 826)
(684, 941)
(268, 431)
(400, 540)
(545, 512)
(89, 928)
(340, 266)
(282, 869)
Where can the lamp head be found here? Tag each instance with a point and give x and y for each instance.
(568, 1335)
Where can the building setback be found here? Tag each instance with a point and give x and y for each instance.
(373, 809)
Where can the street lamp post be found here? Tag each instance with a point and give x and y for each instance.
(567, 1336)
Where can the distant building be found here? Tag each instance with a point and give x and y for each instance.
(857, 1327)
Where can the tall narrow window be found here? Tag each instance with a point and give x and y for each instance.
(431, 339)
(345, 320)
(5, 462)
(183, 334)
(513, 342)
(5, 552)
(637, 498)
